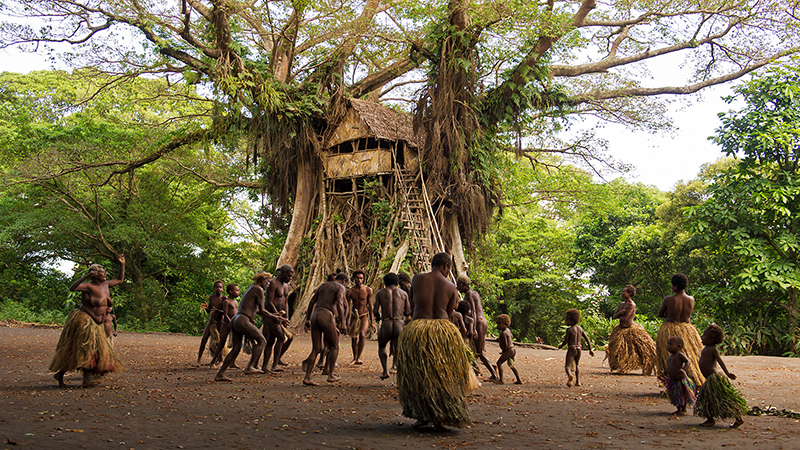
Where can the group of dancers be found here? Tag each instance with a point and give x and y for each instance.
(436, 337)
(683, 360)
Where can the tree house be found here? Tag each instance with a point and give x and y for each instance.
(373, 154)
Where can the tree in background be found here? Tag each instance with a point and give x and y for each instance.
(173, 228)
(751, 220)
(492, 74)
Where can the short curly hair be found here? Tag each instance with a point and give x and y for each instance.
(359, 272)
(715, 333)
(680, 281)
(573, 316)
(630, 289)
(678, 340)
(503, 319)
(229, 288)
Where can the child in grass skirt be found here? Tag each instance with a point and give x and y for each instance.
(718, 398)
(680, 387)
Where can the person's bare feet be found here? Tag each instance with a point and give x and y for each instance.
(578, 384)
(276, 368)
(223, 378)
(680, 412)
(569, 381)
(333, 378)
(708, 423)
(253, 371)
(419, 423)
(384, 376)
(499, 382)
(738, 423)
(59, 376)
(359, 362)
(518, 382)
(283, 363)
(309, 382)
(89, 383)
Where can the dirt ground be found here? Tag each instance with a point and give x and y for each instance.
(160, 401)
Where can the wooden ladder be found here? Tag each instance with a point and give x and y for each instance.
(414, 214)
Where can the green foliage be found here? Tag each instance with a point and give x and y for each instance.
(751, 219)
(174, 229)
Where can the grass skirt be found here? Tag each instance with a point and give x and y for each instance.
(433, 373)
(719, 399)
(680, 393)
(692, 346)
(83, 345)
(213, 336)
(630, 349)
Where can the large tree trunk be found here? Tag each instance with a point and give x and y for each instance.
(459, 261)
(307, 180)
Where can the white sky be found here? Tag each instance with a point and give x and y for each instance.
(660, 160)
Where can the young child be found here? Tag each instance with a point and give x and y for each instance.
(572, 338)
(110, 324)
(680, 387)
(507, 350)
(229, 309)
(717, 398)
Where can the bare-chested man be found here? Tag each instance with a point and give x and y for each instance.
(479, 322)
(676, 310)
(229, 309)
(433, 374)
(276, 301)
(242, 326)
(214, 309)
(391, 308)
(325, 318)
(360, 297)
(84, 330)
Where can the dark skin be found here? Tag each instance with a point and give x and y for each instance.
(677, 365)
(110, 324)
(229, 308)
(242, 326)
(433, 296)
(458, 321)
(480, 325)
(572, 338)
(391, 306)
(677, 307)
(709, 359)
(626, 310)
(214, 308)
(360, 297)
(277, 300)
(326, 321)
(95, 301)
(507, 351)
(321, 364)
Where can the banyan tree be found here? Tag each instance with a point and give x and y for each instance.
(304, 89)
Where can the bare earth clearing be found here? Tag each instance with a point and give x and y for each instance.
(160, 401)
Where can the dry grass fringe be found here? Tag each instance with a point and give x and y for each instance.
(433, 373)
(83, 346)
(692, 348)
(630, 349)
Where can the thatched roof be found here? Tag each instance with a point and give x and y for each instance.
(386, 123)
